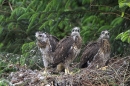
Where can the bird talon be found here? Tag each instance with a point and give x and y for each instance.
(103, 68)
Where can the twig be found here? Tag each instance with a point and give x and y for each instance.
(127, 78)
(109, 7)
(10, 6)
(125, 74)
(38, 66)
(115, 73)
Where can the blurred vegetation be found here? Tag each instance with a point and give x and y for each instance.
(20, 19)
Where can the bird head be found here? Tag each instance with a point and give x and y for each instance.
(41, 36)
(75, 31)
(104, 35)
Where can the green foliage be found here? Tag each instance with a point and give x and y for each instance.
(4, 82)
(124, 36)
(116, 21)
(7, 63)
(27, 46)
(31, 56)
(123, 4)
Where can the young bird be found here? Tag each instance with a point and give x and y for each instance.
(96, 54)
(67, 49)
(47, 44)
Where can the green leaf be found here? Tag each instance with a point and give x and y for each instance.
(105, 27)
(17, 12)
(32, 20)
(86, 1)
(116, 21)
(51, 16)
(128, 40)
(51, 22)
(39, 6)
(1, 1)
(123, 3)
(11, 25)
(55, 4)
(20, 11)
(119, 36)
(68, 3)
(61, 24)
(1, 45)
(128, 4)
(43, 25)
(124, 38)
(122, 14)
(42, 17)
(1, 18)
(127, 32)
(22, 61)
(49, 6)
(90, 19)
(25, 16)
(24, 2)
(27, 47)
(32, 3)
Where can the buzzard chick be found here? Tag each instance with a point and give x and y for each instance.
(47, 44)
(96, 53)
(68, 48)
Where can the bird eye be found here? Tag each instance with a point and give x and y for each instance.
(107, 33)
(102, 32)
(76, 30)
(40, 35)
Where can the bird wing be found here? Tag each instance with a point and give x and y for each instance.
(53, 42)
(63, 49)
(97, 62)
(88, 54)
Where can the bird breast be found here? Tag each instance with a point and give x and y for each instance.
(45, 50)
(76, 51)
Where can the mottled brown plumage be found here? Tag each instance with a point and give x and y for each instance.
(96, 53)
(47, 44)
(88, 54)
(65, 47)
(53, 42)
(102, 55)
(68, 48)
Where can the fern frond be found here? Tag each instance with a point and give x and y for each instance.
(32, 20)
